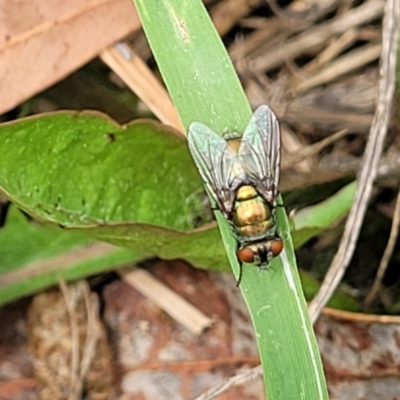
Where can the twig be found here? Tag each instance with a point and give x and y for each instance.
(75, 388)
(341, 66)
(301, 12)
(317, 36)
(226, 14)
(174, 305)
(135, 73)
(394, 232)
(274, 32)
(308, 151)
(92, 330)
(333, 50)
(390, 37)
(236, 380)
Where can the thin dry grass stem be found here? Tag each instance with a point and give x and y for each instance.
(389, 166)
(319, 78)
(334, 49)
(236, 380)
(226, 14)
(315, 39)
(241, 49)
(276, 32)
(68, 345)
(135, 73)
(252, 22)
(342, 66)
(394, 233)
(292, 144)
(306, 152)
(373, 152)
(175, 306)
(82, 357)
(92, 330)
(302, 12)
(76, 383)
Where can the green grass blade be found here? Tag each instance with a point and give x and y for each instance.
(34, 257)
(181, 31)
(311, 221)
(204, 87)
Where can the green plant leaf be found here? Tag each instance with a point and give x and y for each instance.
(311, 221)
(82, 169)
(133, 186)
(339, 300)
(34, 257)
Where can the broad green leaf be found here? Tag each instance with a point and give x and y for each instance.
(134, 186)
(82, 169)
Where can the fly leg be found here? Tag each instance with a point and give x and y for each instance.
(240, 266)
(240, 273)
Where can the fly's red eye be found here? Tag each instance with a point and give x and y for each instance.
(276, 246)
(245, 255)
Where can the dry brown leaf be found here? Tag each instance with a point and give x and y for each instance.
(41, 42)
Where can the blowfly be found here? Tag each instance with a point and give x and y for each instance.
(243, 182)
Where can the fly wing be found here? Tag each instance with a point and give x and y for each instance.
(218, 164)
(259, 152)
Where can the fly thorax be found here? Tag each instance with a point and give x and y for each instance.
(246, 193)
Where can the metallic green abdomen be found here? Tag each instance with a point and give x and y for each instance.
(252, 217)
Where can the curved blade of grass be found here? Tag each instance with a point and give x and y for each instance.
(204, 87)
(311, 221)
(34, 257)
(340, 300)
